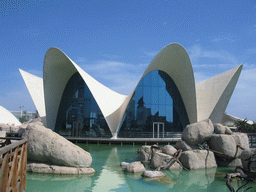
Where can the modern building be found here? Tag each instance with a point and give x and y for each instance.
(164, 101)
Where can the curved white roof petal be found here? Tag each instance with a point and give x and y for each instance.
(35, 87)
(173, 60)
(58, 69)
(6, 117)
(214, 94)
(230, 120)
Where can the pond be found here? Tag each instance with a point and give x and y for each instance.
(110, 176)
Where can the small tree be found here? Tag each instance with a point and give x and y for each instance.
(24, 117)
(244, 127)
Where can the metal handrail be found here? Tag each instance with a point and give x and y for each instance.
(132, 135)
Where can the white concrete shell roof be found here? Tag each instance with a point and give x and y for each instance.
(6, 117)
(214, 94)
(230, 120)
(58, 69)
(36, 90)
(207, 99)
(173, 60)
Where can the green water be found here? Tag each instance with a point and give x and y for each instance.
(110, 176)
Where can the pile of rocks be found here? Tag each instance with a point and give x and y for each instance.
(203, 145)
(20, 129)
(226, 145)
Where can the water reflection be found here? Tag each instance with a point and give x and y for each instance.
(110, 176)
(58, 183)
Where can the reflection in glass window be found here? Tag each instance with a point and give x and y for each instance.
(156, 99)
(79, 114)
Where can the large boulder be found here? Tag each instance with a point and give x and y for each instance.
(219, 128)
(229, 162)
(241, 139)
(46, 146)
(197, 133)
(246, 156)
(162, 159)
(198, 159)
(144, 153)
(185, 146)
(124, 164)
(152, 174)
(135, 167)
(224, 146)
(169, 150)
(44, 168)
(228, 131)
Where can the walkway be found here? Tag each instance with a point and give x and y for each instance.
(121, 141)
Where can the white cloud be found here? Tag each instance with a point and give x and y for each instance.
(151, 54)
(199, 76)
(111, 56)
(196, 52)
(222, 39)
(80, 60)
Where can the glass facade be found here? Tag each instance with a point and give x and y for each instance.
(155, 110)
(79, 115)
(156, 107)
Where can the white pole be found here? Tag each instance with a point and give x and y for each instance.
(21, 110)
(158, 130)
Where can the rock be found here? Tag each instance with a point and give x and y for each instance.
(242, 140)
(144, 154)
(152, 174)
(169, 150)
(219, 128)
(2, 134)
(245, 156)
(185, 146)
(124, 164)
(4, 127)
(135, 167)
(21, 131)
(198, 133)
(46, 146)
(44, 168)
(229, 163)
(198, 159)
(228, 131)
(224, 145)
(160, 159)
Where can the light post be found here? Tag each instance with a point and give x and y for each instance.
(21, 110)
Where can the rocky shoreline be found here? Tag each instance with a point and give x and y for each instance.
(203, 146)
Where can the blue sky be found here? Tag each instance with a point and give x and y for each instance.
(114, 41)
